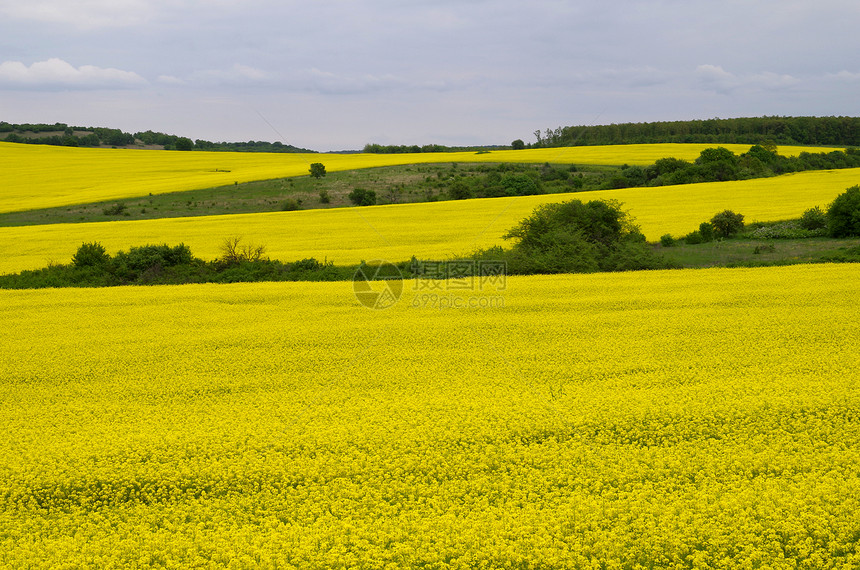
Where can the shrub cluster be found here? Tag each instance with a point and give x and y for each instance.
(362, 197)
(720, 164)
(713, 165)
(724, 225)
(116, 210)
(575, 237)
(493, 181)
(92, 266)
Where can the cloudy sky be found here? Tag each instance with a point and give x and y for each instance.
(336, 74)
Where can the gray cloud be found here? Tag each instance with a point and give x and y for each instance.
(716, 78)
(55, 73)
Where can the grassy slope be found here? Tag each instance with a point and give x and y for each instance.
(392, 184)
(743, 251)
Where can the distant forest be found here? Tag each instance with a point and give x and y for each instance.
(811, 131)
(815, 131)
(61, 134)
(823, 131)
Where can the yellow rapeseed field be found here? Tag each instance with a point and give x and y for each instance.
(38, 176)
(665, 419)
(426, 230)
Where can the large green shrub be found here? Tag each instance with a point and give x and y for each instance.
(459, 190)
(694, 238)
(141, 258)
(576, 237)
(520, 184)
(91, 255)
(813, 219)
(718, 164)
(843, 215)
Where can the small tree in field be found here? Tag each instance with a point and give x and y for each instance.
(727, 223)
(317, 170)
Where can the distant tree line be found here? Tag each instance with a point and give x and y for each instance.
(37, 128)
(404, 149)
(100, 136)
(95, 136)
(835, 131)
(183, 143)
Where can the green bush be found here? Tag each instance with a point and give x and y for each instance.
(324, 197)
(843, 215)
(718, 164)
(669, 165)
(573, 237)
(459, 190)
(706, 230)
(184, 143)
(519, 184)
(317, 170)
(362, 197)
(727, 223)
(115, 210)
(290, 205)
(147, 257)
(666, 240)
(91, 255)
(813, 219)
(694, 238)
(308, 264)
(630, 255)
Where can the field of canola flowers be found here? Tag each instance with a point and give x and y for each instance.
(37, 176)
(427, 230)
(663, 419)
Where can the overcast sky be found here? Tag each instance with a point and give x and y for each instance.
(336, 74)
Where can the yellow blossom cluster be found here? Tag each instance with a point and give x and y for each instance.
(426, 230)
(39, 176)
(662, 419)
